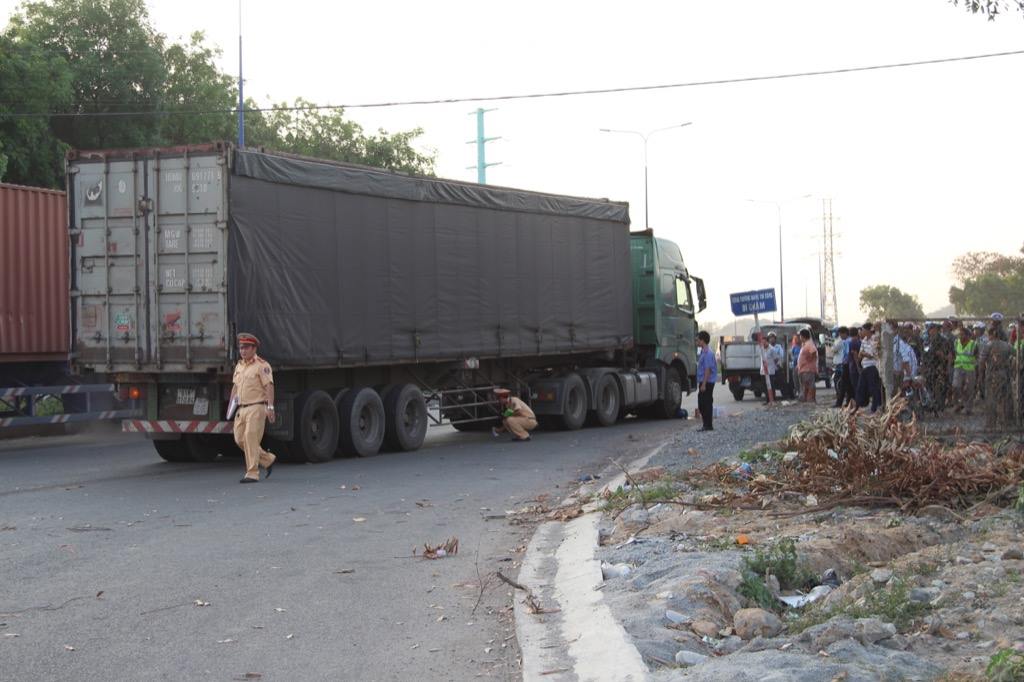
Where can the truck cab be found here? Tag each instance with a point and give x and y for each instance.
(664, 306)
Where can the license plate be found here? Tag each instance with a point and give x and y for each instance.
(201, 407)
(186, 396)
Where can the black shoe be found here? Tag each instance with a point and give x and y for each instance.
(703, 429)
(270, 469)
(249, 480)
(521, 440)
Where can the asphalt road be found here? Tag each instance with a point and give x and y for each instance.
(109, 557)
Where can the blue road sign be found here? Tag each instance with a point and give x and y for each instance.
(750, 302)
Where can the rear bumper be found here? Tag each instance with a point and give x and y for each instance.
(163, 426)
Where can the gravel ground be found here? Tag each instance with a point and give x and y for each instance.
(682, 574)
(734, 434)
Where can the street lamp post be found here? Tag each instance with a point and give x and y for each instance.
(778, 215)
(644, 137)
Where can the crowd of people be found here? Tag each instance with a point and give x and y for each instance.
(949, 365)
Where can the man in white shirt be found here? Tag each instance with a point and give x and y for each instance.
(870, 385)
(904, 358)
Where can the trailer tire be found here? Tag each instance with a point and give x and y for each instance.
(316, 427)
(361, 413)
(172, 450)
(200, 447)
(671, 398)
(574, 407)
(607, 401)
(737, 392)
(405, 414)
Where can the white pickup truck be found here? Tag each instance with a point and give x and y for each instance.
(740, 361)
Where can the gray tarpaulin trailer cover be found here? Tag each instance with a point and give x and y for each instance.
(335, 266)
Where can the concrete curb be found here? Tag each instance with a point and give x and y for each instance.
(578, 638)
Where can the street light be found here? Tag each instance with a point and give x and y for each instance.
(778, 211)
(647, 222)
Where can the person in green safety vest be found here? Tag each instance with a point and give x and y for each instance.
(965, 370)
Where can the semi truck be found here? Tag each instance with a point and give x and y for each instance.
(385, 302)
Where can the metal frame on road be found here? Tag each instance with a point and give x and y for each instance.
(27, 416)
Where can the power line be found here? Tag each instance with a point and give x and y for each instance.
(539, 95)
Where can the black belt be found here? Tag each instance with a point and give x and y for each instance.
(251, 404)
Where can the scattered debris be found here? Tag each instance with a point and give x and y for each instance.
(446, 548)
(68, 647)
(225, 641)
(345, 571)
(200, 602)
(88, 528)
(359, 519)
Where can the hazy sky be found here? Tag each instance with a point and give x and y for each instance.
(921, 163)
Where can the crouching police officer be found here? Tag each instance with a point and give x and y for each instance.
(516, 416)
(253, 387)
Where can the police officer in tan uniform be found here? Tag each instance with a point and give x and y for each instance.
(517, 416)
(253, 386)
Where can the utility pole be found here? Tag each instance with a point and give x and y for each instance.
(480, 142)
(829, 304)
(241, 97)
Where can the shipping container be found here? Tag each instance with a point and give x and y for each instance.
(333, 266)
(33, 275)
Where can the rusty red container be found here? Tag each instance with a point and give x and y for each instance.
(34, 297)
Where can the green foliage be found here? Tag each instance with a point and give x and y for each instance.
(645, 495)
(49, 405)
(193, 83)
(36, 82)
(105, 78)
(1006, 665)
(301, 128)
(754, 589)
(987, 282)
(881, 302)
(990, 8)
(892, 604)
(116, 63)
(779, 559)
(756, 456)
(1019, 503)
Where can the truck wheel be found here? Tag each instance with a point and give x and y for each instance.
(671, 396)
(172, 450)
(608, 400)
(200, 447)
(406, 418)
(362, 422)
(737, 392)
(316, 426)
(574, 411)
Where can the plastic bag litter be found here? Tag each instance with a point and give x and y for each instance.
(798, 601)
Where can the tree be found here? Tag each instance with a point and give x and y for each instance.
(116, 62)
(987, 282)
(990, 8)
(106, 78)
(304, 129)
(882, 302)
(32, 83)
(193, 83)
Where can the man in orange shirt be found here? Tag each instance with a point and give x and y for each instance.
(807, 366)
(253, 388)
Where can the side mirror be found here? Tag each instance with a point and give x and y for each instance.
(702, 297)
